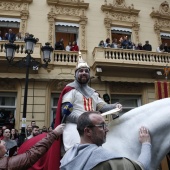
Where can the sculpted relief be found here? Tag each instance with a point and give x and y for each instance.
(162, 18)
(77, 11)
(67, 11)
(13, 6)
(164, 8)
(120, 3)
(120, 12)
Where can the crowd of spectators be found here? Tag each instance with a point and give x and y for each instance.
(125, 43)
(72, 46)
(11, 36)
(11, 136)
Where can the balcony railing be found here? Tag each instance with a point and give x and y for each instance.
(65, 57)
(58, 57)
(20, 52)
(130, 56)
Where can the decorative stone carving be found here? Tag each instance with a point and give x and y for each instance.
(120, 4)
(135, 27)
(20, 9)
(13, 6)
(164, 8)
(51, 19)
(7, 85)
(76, 9)
(108, 22)
(70, 3)
(26, 1)
(119, 11)
(162, 18)
(67, 11)
(123, 17)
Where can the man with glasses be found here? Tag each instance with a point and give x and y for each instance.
(89, 155)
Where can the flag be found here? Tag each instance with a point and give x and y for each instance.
(162, 89)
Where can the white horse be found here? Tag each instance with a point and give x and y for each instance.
(123, 132)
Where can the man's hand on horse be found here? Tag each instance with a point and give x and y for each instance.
(119, 106)
(144, 135)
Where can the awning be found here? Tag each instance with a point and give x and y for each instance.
(163, 34)
(121, 29)
(67, 24)
(10, 19)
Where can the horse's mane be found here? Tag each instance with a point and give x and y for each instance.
(122, 137)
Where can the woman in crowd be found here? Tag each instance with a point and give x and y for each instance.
(101, 43)
(19, 37)
(14, 135)
(74, 46)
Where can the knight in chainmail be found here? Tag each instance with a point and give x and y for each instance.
(83, 98)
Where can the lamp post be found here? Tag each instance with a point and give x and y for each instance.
(28, 62)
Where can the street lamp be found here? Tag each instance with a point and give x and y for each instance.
(27, 62)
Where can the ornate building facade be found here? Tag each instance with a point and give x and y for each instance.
(126, 75)
(123, 73)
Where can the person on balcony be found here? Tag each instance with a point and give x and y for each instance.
(101, 43)
(160, 48)
(68, 47)
(74, 46)
(126, 44)
(26, 35)
(107, 44)
(19, 37)
(114, 43)
(166, 48)
(147, 46)
(139, 47)
(10, 36)
(60, 45)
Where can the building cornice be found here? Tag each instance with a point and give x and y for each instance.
(111, 8)
(77, 4)
(21, 1)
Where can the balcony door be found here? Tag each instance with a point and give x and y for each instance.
(67, 31)
(119, 32)
(9, 23)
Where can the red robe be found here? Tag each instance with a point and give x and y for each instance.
(51, 160)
